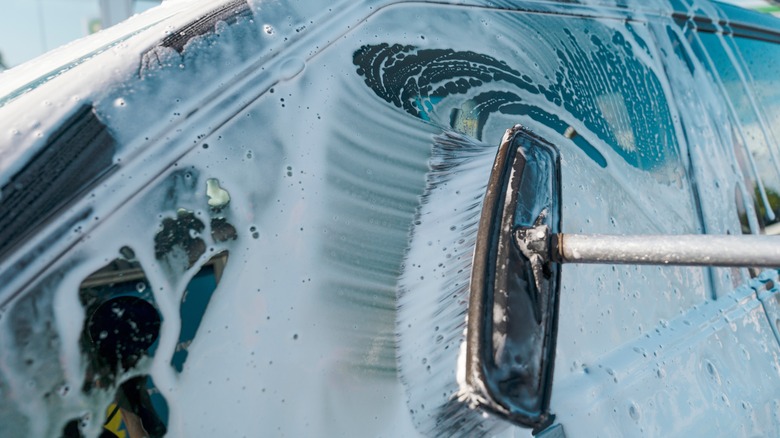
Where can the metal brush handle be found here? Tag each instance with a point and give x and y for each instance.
(690, 250)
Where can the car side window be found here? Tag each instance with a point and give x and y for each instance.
(748, 70)
(761, 60)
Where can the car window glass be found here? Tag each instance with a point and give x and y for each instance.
(753, 101)
(762, 62)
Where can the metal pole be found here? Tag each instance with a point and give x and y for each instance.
(692, 250)
(42, 27)
(114, 11)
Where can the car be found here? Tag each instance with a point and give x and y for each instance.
(306, 219)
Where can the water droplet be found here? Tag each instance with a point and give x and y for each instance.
(633, 411)
(712, 371)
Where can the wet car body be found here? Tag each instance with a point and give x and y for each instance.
(265, 176)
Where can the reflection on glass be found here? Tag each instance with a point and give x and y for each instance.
(121, 327)
(753, 103)
(194, 303)
(762, 61)
(178, 243)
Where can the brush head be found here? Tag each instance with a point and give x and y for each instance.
(433, 290)
(513, 302)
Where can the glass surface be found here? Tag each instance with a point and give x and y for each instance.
(762, 61)
(745, 67)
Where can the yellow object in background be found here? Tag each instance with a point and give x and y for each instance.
(114, 423)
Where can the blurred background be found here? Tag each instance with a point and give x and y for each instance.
(29, 28)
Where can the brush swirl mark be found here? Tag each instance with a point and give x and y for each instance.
(598, 83)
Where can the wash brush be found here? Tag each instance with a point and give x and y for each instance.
(478, 302)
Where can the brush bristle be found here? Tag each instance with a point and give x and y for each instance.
(433, 290)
